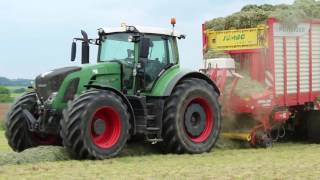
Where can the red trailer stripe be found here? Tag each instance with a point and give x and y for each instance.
(204, 39)
(271, 21)
(310, 63)
(298, 69)
(285, 83)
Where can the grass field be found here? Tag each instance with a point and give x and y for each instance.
(4, 106)
(13, 88)
(284, 161)
(3, 110)
(15, 95)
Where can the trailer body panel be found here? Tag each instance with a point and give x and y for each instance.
(296, 62)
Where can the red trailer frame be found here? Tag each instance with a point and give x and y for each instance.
(277, 105)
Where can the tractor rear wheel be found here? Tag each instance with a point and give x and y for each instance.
(192, 119)
(17, 131)
(96, 125)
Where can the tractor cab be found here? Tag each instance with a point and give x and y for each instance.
(143, 53)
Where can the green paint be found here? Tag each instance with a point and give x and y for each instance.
(163, 82)
(107, 74)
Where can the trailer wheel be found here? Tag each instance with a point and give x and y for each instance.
(96, 125)
(192, 119)
(17, 133)
(313, 126)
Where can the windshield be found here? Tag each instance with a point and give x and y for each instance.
(116, 47)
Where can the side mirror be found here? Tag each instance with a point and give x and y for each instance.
(73, 51)
(85, 53)
(145, 44)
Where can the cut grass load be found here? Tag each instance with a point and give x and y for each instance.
(252, 15)
(246, 87)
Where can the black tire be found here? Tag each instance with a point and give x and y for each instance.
(79, 131)
(313, 126)
(17, 133)
(177, 122)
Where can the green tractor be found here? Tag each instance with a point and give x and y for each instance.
(136, 88)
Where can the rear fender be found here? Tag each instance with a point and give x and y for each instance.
(186, 75)
(168, 80)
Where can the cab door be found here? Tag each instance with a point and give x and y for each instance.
(159, 56)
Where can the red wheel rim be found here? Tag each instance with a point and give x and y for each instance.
(209, 120)
(112, 127)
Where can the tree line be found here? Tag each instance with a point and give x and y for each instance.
(6, 94)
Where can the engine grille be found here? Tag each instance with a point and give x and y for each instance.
(50, 82)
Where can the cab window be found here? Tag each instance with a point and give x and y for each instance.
(116, 47)
(160, 55)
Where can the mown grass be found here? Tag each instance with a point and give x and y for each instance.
(284, 161)
(2, 124)
(3, 143)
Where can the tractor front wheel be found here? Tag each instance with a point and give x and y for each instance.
(17, 132)
(192, 119)
(96, 125)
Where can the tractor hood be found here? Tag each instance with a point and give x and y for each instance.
(49, 82)
(59, 80)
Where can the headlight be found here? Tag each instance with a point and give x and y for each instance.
(52, 97)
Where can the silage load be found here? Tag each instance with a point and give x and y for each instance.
(246, 87)
(252, 15)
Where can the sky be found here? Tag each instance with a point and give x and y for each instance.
(36, 35)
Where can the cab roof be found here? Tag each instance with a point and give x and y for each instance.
(141, 29)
